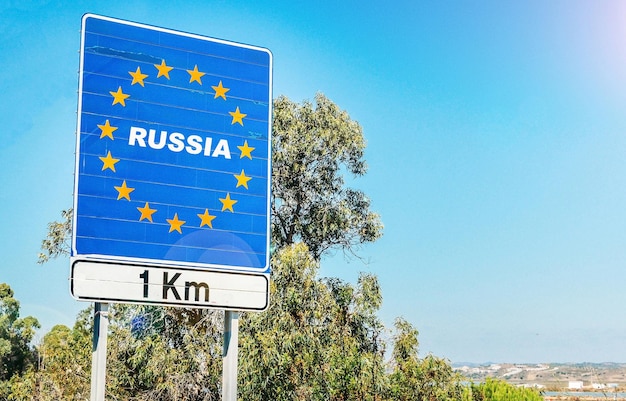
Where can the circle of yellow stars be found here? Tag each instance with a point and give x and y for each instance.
(124, 191)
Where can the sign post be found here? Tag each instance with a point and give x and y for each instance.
(99, 353)
(229, 356)
(172, 176)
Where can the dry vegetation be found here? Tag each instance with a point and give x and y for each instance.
(553, 376)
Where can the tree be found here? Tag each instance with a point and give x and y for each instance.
(498, 390)
(312, 147)
(16, 354)
(57, 241)
(64, 368)
(282, 355)
(164, 354)
(321, 339)
(429, 379)
(62, 371)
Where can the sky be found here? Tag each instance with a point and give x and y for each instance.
(496, 137)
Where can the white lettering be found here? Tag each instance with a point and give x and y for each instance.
(178, 142)
(154, 145)
(207, 146)
(194, 146)
(222, 149)
(137, 135)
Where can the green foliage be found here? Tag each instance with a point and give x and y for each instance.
(63, 369)
(312, 146)
(412, 378)
(498, 390)
(57, 241)
(280, 349)
(65, 364)
(321, 339)
(16, 355)
(178, 357)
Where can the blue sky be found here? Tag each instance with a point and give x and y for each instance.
(496, 140)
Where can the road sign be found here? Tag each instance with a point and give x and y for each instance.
(172, 166)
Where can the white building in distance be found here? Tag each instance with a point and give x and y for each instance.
(575, 385)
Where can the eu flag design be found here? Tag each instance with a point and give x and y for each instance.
(173, 148)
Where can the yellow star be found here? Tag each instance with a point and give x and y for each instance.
(220, 91)
(246, 151)
(242, 179)
(119, 97)
(108, 162)
(107, 130)
(124, 191)
(138, 77)
(164, 69)
(227, 203)
(146, 212)
(206, 219)
(237, 116)
(176, 224)
(195, 75)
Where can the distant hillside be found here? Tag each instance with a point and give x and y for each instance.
(549, 375)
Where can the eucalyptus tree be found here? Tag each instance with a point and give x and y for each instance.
(64, 366)
(17, 356)
(313, 146)
(57, 241)
(414, 378)
(321, 338)
(499, 390)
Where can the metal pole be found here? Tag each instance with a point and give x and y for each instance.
(229, 356)
(99, 351)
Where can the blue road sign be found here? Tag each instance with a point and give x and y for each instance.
(173, 148)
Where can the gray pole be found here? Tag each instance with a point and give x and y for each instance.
(229, 356)
(99, 352)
